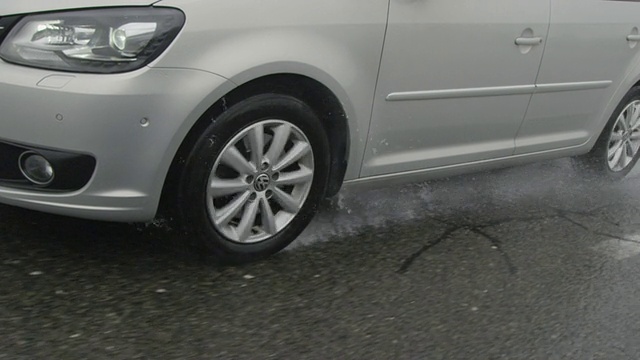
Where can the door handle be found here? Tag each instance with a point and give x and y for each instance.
(528, 41)
(633, 37)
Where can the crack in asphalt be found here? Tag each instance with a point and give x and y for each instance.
(495, 242)
(406, 264)
(596, 232)
(478, 229)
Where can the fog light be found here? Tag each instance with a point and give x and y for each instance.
(36, 168)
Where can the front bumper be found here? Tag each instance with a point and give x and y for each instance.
(132, 124)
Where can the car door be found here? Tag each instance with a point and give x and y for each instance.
(590, 46)
(455, 81)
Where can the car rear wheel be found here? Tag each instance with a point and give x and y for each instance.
(617, 149)
(254, 178)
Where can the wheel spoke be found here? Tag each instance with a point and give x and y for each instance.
(222, 187)
(268, 218)
(614, 149)
(626, 119)
(298, 150)
(635, 115)
(623, 157)
(629, 152)
(233, 158)
(614, 158)
(288, 203)
(280, 137)
(631, 115)
(616, 136)
(295, 177)
(635, 135)
(256, 143)
(634, 147)
(229, 211)
(248, 220)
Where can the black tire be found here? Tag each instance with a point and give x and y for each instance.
(192, 188)
(596, 162)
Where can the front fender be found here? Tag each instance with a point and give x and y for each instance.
(335, 42)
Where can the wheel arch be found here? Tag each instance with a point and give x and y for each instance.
(631, 81)
(319, 97)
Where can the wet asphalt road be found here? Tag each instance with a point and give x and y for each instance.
(523, 263)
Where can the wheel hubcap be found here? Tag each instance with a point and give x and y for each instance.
(624, 141)
(260, 181)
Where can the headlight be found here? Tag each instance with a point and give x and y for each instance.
(92, 41)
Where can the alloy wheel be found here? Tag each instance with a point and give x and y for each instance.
(260, 181)
(624, 141)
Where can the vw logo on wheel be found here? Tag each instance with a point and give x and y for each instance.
(262, 182)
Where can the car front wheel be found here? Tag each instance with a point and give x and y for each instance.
(254, 178)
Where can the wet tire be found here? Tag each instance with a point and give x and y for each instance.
(616, 150)
(254, 178)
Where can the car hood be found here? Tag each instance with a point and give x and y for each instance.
(13, 7)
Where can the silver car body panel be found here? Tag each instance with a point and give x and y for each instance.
(101, 117)
(31, 6)
(430, 88)
(587, 42)
(471, 52)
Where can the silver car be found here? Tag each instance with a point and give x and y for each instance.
(239, 117)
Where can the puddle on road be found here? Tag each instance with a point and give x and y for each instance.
(353, 212)
(617, 249)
